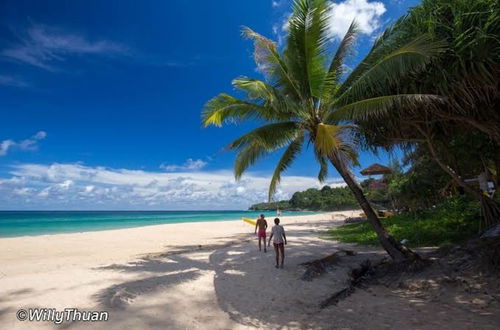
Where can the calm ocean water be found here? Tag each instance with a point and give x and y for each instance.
(22, 223)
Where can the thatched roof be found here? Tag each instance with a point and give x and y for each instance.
(375, 169)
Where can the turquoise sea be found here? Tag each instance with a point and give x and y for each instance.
(23, 223)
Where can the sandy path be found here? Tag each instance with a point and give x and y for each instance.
(156, 278)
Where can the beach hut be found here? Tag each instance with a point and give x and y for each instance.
(376, 169)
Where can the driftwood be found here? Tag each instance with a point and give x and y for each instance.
(477, 254)
(319, 266)
(355, 220)
(356, 277)
(382, 272)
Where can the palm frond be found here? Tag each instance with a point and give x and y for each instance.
(347, 152)
(334, 141)
(323, 168)
(391, 68)
(255, 89)
(337, 66)
(306, 46)
(285, 161)
(326, 139)
(270, 63)
(384, 44)
(268, 96)
(343, 51)
(225, 108)
(270, 137)
(247, 157)
(379, 106)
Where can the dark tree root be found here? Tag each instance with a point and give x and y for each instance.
(355, 278)
(383, 272)
(319, 266)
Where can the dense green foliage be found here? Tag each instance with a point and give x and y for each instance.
(282, 205)
(453, 221)
(465, 75)
(325, 199)
(460, 134)
(421, 187)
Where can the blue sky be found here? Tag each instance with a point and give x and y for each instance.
(100, 101)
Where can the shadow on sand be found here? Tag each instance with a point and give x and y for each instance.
(247, 286)
(248, 291)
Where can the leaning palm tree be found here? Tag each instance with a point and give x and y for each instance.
(304, 97)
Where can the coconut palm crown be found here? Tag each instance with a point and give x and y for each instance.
(305, 98)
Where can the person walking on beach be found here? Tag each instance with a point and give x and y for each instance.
(279, 242)
(261, 225)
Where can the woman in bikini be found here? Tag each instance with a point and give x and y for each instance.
(261, 225)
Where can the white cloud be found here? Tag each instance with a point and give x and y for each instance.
(76, 186)
(28, 144)
(23, 191)
(5, 146)
(277, 3)
(12, 81)
(367, 15)
(44, 193)
(66, 184)
(280, 29)
(40, 135)
(189, 165)
(43, 46)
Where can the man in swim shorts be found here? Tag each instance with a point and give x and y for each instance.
(261, 225)
(279, 242)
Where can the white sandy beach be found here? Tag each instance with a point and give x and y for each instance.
(199, 276)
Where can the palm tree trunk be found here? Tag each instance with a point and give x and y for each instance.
(396, 250)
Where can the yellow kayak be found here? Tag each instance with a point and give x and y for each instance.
(249, 221)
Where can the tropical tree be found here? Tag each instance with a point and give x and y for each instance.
(304, 97)
(461, 133)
